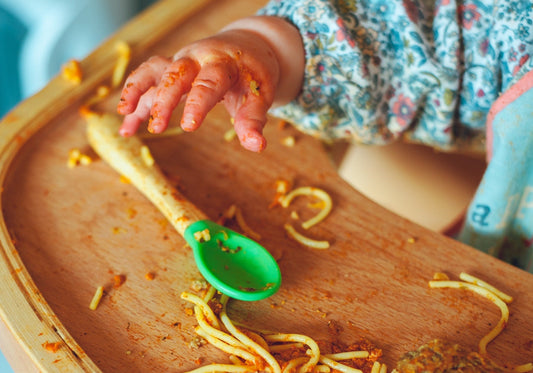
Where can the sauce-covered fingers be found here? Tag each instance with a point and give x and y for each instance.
(175, 82)
(208, 88)
(147, 75)
(249, 122)
(132, 121)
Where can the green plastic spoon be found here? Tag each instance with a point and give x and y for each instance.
(232, 263)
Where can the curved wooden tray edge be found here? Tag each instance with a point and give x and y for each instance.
(23, 309)
(32, 321)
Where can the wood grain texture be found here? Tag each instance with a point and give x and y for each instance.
(67, 231)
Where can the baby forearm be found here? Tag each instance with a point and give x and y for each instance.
(285, 41)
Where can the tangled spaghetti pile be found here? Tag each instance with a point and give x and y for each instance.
(254, 351)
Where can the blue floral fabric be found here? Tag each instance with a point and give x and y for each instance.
(428, 70)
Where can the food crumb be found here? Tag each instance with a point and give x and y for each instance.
(102, 91)
(118, 280)
(149, 276)
(76, 157)
(163, 223)
(277, 305)
(202, 236)
(288, 141)
(117, 230)
(411, 240)
(147, 156)
(199, 285)
(189, 311)
(71, 71)
(51, 347)
(254, 87)
(85, 160)
(229, 135)
(282, 187)
(73, 156)
(132, 213)
(439, 276)
(96, 298)
(124, 179)
(196, 342)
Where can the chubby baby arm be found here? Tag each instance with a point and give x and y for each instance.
(251, 65)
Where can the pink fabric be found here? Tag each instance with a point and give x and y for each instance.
(516, 90)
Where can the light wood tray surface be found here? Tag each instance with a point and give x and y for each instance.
(66, 231)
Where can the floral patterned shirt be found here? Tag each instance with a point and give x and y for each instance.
(428, 70)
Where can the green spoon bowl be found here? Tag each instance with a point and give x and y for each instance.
(232, 263)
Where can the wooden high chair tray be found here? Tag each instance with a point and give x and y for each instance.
(65, 231)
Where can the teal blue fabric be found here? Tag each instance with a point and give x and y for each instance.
(25, 69)
(12, 33)
(4, 365)
(500, 218)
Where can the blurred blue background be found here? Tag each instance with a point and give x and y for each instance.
(38, 36)
(4, 366)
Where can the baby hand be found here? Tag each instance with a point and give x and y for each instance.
(235, 66)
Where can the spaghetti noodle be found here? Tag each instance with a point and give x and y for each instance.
(476, 281)
(124, 56)
(487, 294)
(491, 293)
(245, 227)
(284, 198)
(304, 240)
(253, 350)
(234, 212)
(96, 298)
(310, 191)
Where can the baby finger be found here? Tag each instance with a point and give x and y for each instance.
(175, 82)
(209, 87)
(139, 81)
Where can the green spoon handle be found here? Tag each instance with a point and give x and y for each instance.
(124, 155)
